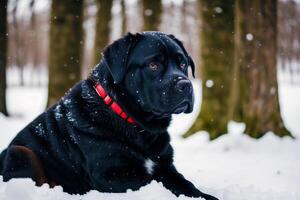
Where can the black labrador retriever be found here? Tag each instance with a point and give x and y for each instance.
(109, 132)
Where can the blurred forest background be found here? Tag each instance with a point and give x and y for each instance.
(238, 47)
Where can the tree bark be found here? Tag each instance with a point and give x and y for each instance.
(66, 34)
(103, 19)
(217, 58)
(34, 42)
(152, 11)
(3, 55)
(124, 17)
(256, 92)
(20, 44)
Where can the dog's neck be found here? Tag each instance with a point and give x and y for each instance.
(145, 120)
(109, 102)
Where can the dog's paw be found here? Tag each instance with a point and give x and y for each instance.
(208, 197)
(196, 194)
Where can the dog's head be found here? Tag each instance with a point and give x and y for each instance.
(153, 69)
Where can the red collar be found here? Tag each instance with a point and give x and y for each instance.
(113, 105)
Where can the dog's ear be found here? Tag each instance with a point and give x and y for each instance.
(115, 55)
(190, 60)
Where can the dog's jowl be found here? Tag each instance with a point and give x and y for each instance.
(109, 132)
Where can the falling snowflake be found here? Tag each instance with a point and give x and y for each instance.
(209, 83)
(148, 12)
(249, 36)
(272, 90)
(218, 9)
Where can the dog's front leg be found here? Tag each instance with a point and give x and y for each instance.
(177, 184)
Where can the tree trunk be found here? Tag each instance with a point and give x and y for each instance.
(3, 55)
(66, 36)
(103, 19)
(184, 22)
(19, 48)
(152, 14)
(256, 94)
(217, 58)
(124, 17)
(34, 43)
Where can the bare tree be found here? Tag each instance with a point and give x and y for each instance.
(152, 11)
(103, 19)
(216, 53)
(3, 55)
(124, 17)
(20, 52)
(66, 34)
(256, 90)
(33, 39)
(288, 39)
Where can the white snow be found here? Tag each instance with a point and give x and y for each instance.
(233, 167)
(24, 189)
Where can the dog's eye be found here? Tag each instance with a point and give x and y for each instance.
(153, 66)
(181, 62)
(182, 65)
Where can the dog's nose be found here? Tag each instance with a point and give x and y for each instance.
(183, 86)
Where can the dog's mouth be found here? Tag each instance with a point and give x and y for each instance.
(180, 108)
(160, 114)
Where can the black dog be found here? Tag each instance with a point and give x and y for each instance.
(109, 132)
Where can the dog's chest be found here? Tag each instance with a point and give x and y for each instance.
(158, 148)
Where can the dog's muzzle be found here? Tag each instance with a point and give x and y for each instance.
(184, 90)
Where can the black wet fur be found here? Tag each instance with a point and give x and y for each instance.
(83, 145)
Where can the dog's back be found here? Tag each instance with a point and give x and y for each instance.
(39, 149)
(52, 148)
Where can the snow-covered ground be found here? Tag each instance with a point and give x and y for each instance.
(233, 167)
